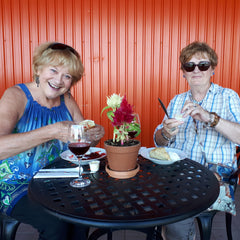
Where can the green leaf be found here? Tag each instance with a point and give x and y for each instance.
(110, 115)
(107, 107)
(134, 127)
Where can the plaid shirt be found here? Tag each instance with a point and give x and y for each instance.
(218, 149)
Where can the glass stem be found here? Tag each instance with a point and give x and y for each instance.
(80, 168)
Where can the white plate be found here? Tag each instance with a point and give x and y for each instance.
(67, 155)
(181, 154)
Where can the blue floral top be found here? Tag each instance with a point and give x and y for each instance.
(17, 171)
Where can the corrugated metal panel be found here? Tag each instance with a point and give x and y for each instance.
(127, 46)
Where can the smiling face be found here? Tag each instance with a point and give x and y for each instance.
(57, 55)
(54, 81)
(198, 78)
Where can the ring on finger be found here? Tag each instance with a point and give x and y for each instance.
(173, 129)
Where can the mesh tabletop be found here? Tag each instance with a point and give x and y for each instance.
(158, 194)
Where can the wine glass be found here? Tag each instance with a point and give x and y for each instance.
(135, 125)
(79, 145)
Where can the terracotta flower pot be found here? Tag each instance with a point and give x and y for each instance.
(122, 159)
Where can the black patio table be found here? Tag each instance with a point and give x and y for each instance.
(157, 195)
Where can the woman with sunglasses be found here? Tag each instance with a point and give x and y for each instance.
(34, 129)
(205, 124)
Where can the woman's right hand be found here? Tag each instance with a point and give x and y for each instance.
(170, 127)
(167, 132)
(63, 132)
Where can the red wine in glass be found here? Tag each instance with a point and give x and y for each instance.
(135, 125)
(79, 145)
(132, 134)
(79, 148)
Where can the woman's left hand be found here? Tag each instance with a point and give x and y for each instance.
(96, 133)
(195, 111)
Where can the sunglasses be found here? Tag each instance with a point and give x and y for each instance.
(202, 66)
(61, 46)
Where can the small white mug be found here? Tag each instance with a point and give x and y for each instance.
(94, 166)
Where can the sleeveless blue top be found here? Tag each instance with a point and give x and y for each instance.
(17, 171)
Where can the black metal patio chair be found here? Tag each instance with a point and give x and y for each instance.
(205, 218)
(8, 227)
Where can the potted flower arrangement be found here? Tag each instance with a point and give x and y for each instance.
(122, 150)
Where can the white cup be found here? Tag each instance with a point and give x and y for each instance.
(94, 166)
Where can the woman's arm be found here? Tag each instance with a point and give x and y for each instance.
(159, 139)
(12, 144)
(73, 108)
(12, 105)
(229, 130)
(168, 132)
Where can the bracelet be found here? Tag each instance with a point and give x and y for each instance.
(215, 120)
(165, 137)
(209, 123)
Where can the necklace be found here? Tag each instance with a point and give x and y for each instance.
(195, 101)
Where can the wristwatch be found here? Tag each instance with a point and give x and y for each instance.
(214, 119)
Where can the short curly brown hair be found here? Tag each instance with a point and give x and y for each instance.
(200, 48)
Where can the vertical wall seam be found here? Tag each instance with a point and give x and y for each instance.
(4, 46)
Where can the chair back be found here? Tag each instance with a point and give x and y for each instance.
(8, 227)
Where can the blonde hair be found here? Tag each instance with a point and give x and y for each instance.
(68, 57)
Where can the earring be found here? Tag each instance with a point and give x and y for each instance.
(37, 80)
(183, 76)
(213, 73)
(69, 93)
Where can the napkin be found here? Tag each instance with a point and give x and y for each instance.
(57, 173)
(141, 150)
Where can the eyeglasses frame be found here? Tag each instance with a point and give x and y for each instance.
(200, 66)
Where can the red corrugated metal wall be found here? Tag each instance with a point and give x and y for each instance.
(127, 46)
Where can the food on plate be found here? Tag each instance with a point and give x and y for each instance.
(174, 156)
(159, 153)
(93, 155)
(87, 124)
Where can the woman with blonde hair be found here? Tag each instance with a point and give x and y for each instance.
(34, 129)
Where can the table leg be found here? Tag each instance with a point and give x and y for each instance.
(109, 234)
(155, 234)
(98, 233)
(152, 233)
(205, 224)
